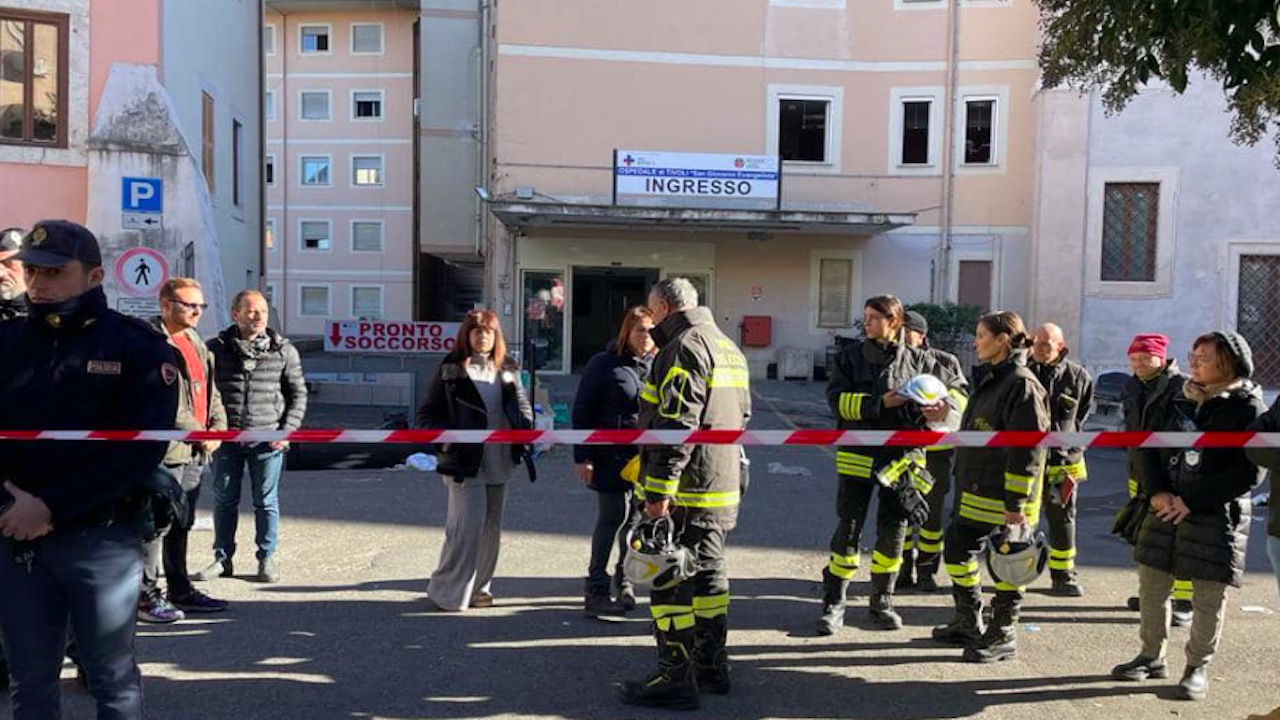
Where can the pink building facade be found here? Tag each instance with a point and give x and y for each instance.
(339, 163)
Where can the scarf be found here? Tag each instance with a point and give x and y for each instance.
(1200, 394)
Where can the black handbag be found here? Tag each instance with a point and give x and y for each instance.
(1128, 520)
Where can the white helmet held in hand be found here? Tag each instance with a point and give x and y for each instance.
(924, 390)
(654, 560)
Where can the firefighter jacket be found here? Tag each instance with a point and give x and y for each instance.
(1069, 392)
(864, 371)
(992, 481)
(698, 381)
(1149, 406)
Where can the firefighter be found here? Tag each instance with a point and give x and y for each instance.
(1069, 392)
(1151, 399)
(863, 394)
(999, 487)
(922, 551)
(697, 381)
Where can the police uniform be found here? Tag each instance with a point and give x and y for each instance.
(78, 365)
(991, 482)
(698, 381)
(1069, 393)
(863, 373)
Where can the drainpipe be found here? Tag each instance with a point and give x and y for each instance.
(949, 150)
(482, 135)
(282, 170)
(262, 149)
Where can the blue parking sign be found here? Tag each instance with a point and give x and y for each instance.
(142, 195)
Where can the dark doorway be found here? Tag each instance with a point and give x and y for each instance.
(600, 297)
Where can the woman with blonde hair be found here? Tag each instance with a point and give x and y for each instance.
(476, 388)
(608, 398)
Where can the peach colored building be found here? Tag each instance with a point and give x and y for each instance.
(168, 89)
(904, 130)
(340, 161)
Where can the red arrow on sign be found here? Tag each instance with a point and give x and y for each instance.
(337, 334)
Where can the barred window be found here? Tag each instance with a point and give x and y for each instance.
(1130, 219)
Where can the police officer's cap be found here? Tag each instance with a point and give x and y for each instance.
(54, 243)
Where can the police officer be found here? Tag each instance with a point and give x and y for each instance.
(999, 487)
(697, 381)
(13, 283)
(69, 553)
(922, 551)
(1069, 392)
(862, 393)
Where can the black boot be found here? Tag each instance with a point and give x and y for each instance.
(907, 576)
(927, 576)
(1065, 584)
(1000, 641)
(674, 685)
(833, 598)
(709, 655)
(883, 616)
(1181, 614)
(624, 593)
(966, 627)
(598, 604)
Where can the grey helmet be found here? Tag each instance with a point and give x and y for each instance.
(1017, 561)
(654, 560)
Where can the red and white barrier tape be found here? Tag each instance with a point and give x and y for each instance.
(856, 438)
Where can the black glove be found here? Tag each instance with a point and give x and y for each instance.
(906, 502)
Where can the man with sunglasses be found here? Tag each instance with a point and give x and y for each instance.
(199, 408)
(13, 282)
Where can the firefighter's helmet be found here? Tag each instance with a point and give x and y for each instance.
(654, 560)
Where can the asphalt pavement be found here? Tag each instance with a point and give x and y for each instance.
(348, 633)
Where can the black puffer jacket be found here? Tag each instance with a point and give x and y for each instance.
(1150, 406)
(1210, 543)
(453, 402)
(1269, 458)
(608, 398)
(261, 383)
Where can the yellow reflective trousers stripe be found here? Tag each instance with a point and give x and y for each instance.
(964, 574)
(844, 566)
(709, 606)
(672, 617)
(882, 564)
(1058, 473)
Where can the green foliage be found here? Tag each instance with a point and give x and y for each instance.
(948, 322)
(1117, 46)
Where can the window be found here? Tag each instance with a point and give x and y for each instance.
(366, 302)
(314, 105)
(1130, 221)
(34, 79)
(206, 139)
(269, 104)
(269, 39)
(366, 105)
(366, 39)
(315, 300)
(979, 131)
(269, 170)
(187, 263)
(314, 39)
(270, 235)
(237, 149)
(366, 236)
(366, 170)
(315, 234)
(269, 292)
(315, 170)
(915, 131)
(835, 292)
(802, 129)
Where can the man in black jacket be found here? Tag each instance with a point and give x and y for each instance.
(13, 282)
(69, 551)
(259, 375)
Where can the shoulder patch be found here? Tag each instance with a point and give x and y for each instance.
(169, 373)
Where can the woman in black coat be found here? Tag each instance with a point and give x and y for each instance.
(609, 399)
(1199, 524)
(476, 388)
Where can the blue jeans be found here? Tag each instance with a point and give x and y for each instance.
(264, 466)
(87, 579)
(1273, 549)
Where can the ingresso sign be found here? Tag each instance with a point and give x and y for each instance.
(695, 180)
(383, 336)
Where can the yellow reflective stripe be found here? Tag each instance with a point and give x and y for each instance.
(851, 405)
(1009, 588)
(853, 458)
(1062, 554)
(667, 616)
(1018, 484)
(676, 622)
(690, 498)
(649, 393)
(728, 378)
(961, 400)
(660, 486)
(939, 448)
(922, 481)
(1062, 559)
(1182, 590)
(661, 611)
(855, 464)
(672, 405)
(853, 471)
(908, 545)
(927, 534)
(844, 566)
(1061, 564)
(1058, 473)
(929, 546)
(882, 564)
(980, 509)
(1133, 487)
(709, 606)
(964, 574)
(893, 471)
